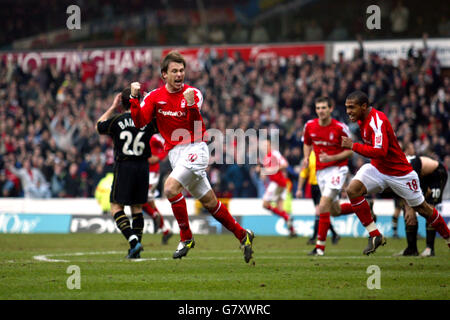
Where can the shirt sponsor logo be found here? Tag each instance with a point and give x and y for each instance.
(172, 113)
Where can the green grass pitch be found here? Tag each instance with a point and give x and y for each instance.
(35, 266)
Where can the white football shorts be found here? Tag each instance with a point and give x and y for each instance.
(331, 180)
(274, 192)
(406, 187)
(189, 163)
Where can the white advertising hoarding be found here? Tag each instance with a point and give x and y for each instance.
(394, 49)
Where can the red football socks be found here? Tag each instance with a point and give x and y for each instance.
(346, 208)
(324, 225)
(438, 223)
(149, 209)
(279, 212)
(221, 213)
(180, 212)
(362, 210)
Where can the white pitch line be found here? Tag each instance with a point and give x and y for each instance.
(301, 256)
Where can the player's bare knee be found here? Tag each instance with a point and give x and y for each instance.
(209, 200)
(325, 204)
(424, 209)
(266, 204)
(353, 192)
(172, 188)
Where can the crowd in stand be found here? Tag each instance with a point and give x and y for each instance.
(49, 146)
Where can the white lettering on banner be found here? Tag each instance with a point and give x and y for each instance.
(125, 63)
(13, 224)
(109, 61)
(106, 61)
(98, 225)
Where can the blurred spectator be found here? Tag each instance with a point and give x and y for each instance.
(58, 181)
(259, 34)
(339, 32)
(195, 35)
(217, 35)
(313, 32)
(444, 27)
(399, 18)
(33, 182)
(239, 34)
(72, 182)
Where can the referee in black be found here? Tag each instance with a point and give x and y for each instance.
(130, 184)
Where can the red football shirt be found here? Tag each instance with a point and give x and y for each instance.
(272, 161)
(381, 145)
(172, 115)
(326, 139)
(157, 148)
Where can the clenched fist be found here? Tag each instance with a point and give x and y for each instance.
(347, 143)
(189, 95)
(135, 89)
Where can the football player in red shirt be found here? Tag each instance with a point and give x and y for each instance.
(176, 107)
(324, 134)
(388, 168)
(274, 166)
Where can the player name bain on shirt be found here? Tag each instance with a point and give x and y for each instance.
(128, 123)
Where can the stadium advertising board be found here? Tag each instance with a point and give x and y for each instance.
(34, 223)
(394, 49)
(105, 224)
(18, 215)
(104, 60)
(251, 52)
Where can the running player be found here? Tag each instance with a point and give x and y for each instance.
(275, 165)
(309, 174)
(323, 135)
(388, 168)
(176, 107)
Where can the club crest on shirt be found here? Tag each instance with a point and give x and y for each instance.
(183, 103)
(331, 135)
(192, 157)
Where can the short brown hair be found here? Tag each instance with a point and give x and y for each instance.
(327, 100)
(172, 56)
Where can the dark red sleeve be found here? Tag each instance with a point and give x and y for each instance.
(141, 115)
(380, 144)
(306, 136)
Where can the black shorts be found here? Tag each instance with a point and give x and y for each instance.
(130, 184)
(433, 185)
(315, 194)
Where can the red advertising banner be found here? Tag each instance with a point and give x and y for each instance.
(255, 52)
(104, 60)
(119, 60)
(251, 52)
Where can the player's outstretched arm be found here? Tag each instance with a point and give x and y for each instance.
(111, 110)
